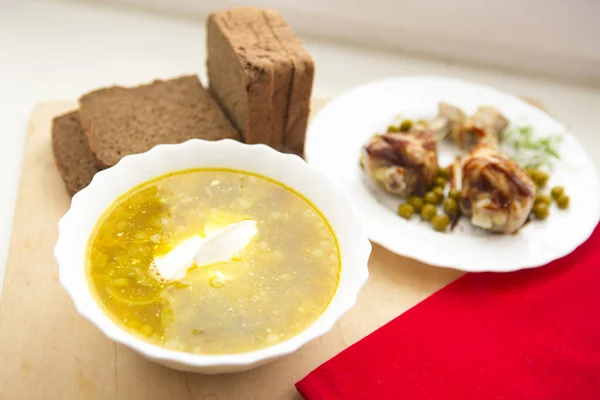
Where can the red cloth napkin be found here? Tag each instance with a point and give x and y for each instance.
(532, 334)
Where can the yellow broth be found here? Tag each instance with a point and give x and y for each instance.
(274, 289)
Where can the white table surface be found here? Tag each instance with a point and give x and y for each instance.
(57, 51)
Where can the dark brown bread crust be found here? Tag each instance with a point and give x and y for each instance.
(248, 73)
(119, 121)
(72, 156)
(301, 85)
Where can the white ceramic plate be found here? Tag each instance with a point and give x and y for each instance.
(338, 132)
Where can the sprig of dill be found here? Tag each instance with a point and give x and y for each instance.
(531, 152)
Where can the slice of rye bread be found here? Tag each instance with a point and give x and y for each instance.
(237, 40)
(249, 73)
(119, 121)
(301, 85)
(72, 155)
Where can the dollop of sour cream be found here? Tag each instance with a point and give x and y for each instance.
(218, 246)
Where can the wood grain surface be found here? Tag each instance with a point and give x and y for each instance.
(47, 351)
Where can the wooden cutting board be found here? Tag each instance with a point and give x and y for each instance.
(47, 351)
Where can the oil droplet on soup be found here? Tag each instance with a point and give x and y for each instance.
(271, 291)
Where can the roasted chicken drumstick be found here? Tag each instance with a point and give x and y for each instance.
(448, 122)
(482, 127)
(403, 163)
(496, 193)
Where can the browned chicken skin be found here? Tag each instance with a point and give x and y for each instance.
(496, 193)
(403, 163)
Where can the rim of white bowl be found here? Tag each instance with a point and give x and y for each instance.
(357, 245)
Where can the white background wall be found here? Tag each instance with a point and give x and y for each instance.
(550, 37)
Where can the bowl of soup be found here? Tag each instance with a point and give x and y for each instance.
(212, 257)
